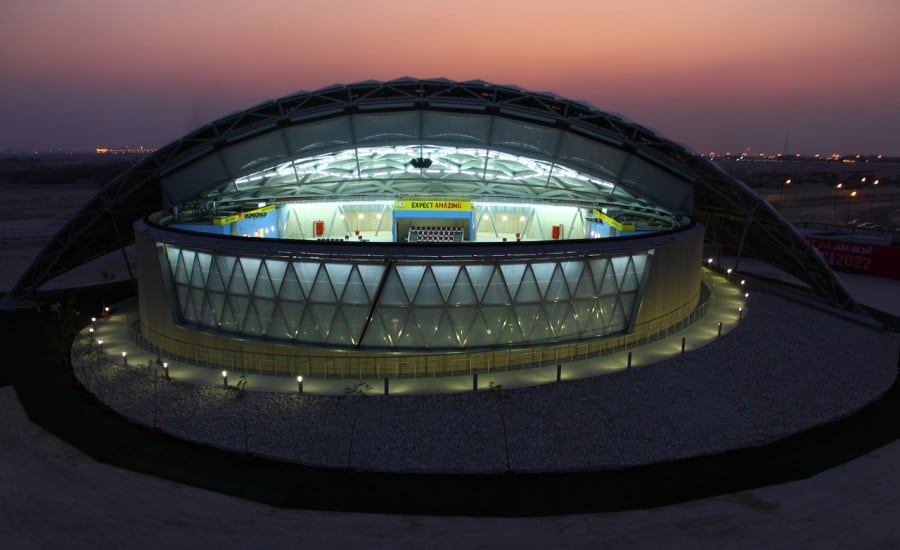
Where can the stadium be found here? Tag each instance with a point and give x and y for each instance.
(419, 226)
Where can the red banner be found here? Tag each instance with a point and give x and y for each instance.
(859, 257)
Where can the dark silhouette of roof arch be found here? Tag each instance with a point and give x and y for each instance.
(642, 166)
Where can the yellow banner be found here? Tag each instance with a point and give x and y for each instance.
(225, 220)
(614, 223)
(431, 203)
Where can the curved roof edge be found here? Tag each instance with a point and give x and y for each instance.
(721, 202)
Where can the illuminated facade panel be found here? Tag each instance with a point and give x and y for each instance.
(407, 304)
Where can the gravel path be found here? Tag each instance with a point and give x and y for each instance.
(749, 388)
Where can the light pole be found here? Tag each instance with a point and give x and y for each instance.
(834, 197)
(787, 182)
(849, 203)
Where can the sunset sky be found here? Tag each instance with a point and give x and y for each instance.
(715, 75)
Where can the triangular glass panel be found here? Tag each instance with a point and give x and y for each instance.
(253, 324)
(559, 316)
(251, 268)
(479, 275)
(584, 287)
(385, 326)
(204, 260)
(356, 318)
(572, 270)
(338, 273)
(263, 287)
(225, 265)
(582, 316)
(264, 308)
(542, 331)
(481, 333)
(496, 319)
(276, 269)
(606, 307)
(557, 289)
(619, 321)
(215, 282)
(627, 301)
(630, 280)
(462, 324)
(392, 294)
(620, 263)
(239, 305)
(190, 313)
(355, 290)
(610, 285)
(597, 268)
(409, 336)
(429, 294)
(290, 286)
(324, 314)
(228, 321)
(340, 334)
(322, 291)
(444, 337)
(511, 330)
(543, 273)
(445, 275)
(188, 256)
(238, 286)
(306, 271)
(197, 274)
(371, 276)
(410, 275)
(528, 316)
(497, 292)
(212, 309)
(512, 273)
(278, 328)
(173, 254)
(181, 292)
(307, 327)
(529, 291)
(180, 273)
(462, 294)
(640, 264)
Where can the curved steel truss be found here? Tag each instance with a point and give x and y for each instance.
(638, 164)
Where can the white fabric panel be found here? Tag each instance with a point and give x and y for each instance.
(453, 128)
(594, 158)
(194, 179)
(320, 137)
(386, 128)
(257, 153)
(527, 139)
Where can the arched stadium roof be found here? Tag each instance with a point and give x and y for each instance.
(356, 140)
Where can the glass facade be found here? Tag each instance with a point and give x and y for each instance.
(408, 304)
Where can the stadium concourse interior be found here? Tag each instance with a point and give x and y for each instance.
(420, 219)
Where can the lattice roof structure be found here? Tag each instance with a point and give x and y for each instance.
(264, 152)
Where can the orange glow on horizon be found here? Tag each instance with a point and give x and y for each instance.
(748, 73)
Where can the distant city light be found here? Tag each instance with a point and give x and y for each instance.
(125, 150)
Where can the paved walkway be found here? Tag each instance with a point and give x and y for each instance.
(728, 306)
